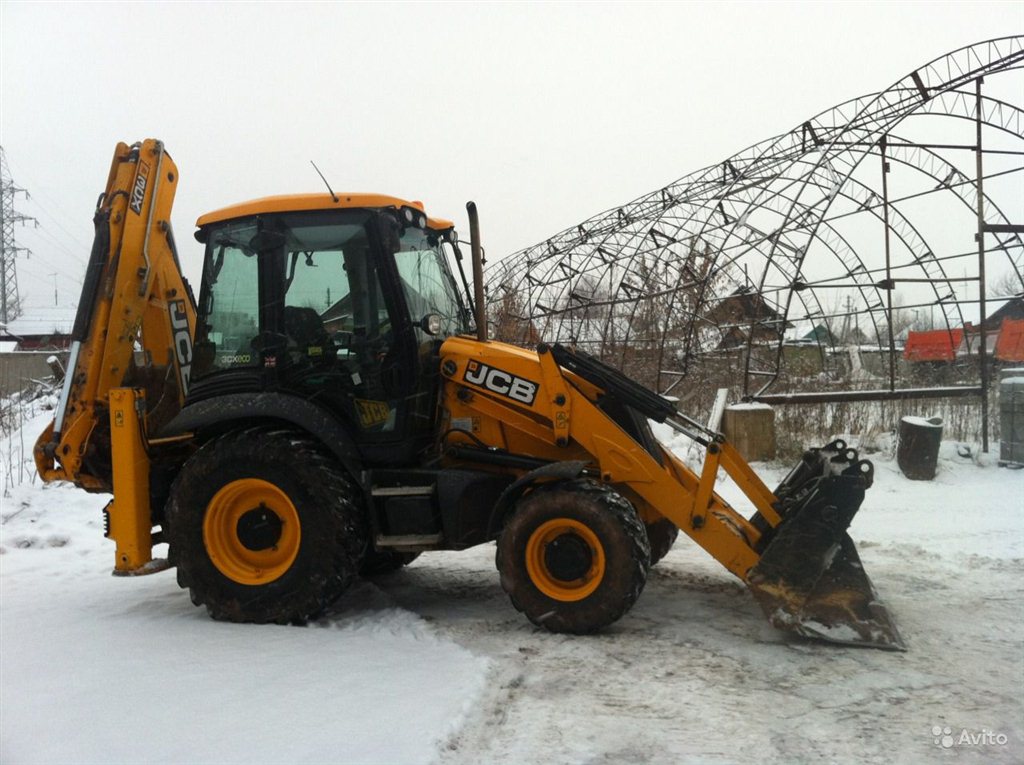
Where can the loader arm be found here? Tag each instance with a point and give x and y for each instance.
(793, 552)
(134, 325)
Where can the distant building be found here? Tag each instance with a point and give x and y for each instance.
(970, 341)
(47, 329)
(1010, 345)
(936, 345)
(855, 336)
(1004, 343)
(745, 316)
(1011, 309)
(819, 335)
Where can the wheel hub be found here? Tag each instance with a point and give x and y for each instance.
(259, 529)
(565, 560)
(251, 531)
(568, 557)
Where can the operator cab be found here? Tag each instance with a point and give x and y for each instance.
(343, 301)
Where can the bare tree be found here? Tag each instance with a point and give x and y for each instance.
(1007, 285)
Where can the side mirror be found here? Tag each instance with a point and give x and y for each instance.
(431, 324)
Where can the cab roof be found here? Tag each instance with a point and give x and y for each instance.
(305, 202)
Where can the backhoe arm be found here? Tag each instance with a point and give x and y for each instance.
(134, 326)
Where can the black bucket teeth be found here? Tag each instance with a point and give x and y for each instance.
(809, 579)
(840, 607)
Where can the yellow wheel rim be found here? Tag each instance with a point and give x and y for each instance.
(251, 531)
(542, 551)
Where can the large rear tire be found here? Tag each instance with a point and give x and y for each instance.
(264, 527)
(573, 557)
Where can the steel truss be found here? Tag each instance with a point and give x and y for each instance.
(853, 202)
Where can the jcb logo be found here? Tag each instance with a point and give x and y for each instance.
(182, 341)
(501, 382)
(139, 189)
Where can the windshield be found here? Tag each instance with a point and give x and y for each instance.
(427, 282)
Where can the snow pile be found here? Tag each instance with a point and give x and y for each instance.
(98, 669)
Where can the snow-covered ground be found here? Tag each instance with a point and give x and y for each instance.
(432, 664)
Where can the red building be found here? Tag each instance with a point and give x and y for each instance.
(932, 345)
(1010, 345)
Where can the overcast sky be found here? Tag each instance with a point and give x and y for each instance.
(544, 114)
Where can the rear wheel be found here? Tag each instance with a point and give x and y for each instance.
(573, 557)
(661, 534)
(264, 527)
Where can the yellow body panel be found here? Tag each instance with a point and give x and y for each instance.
(486, 386)
(130, 527)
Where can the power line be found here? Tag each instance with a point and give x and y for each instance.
(49, 213)
(54, 241)
(72, 271)
(55, 220)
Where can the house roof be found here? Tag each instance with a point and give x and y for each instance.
(1010, 345)
(42, 322)
(1011, 309)
(746, 305)
(933, 345)
(819, 334)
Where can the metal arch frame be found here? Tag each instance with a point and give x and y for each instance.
(867, 194)
(870, 126)
(806, 180)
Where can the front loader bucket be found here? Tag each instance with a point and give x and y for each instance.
(809, 579)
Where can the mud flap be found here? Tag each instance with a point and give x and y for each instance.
(809, 579)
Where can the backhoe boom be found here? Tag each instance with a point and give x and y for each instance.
(135, 320)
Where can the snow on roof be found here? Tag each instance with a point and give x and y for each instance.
(933, 345)
(921, 422)
(50, 320)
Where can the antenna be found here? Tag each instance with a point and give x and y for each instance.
(333, 195)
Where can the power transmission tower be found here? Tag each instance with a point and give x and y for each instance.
(10, 304)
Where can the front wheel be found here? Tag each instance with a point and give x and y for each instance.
(573, 557)
(264, 527)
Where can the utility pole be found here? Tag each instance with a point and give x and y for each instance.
(10, 304)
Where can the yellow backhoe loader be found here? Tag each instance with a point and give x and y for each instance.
(331, 407)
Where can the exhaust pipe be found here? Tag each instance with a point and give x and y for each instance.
(478, 272)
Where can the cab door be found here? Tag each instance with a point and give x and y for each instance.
(432, 311)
